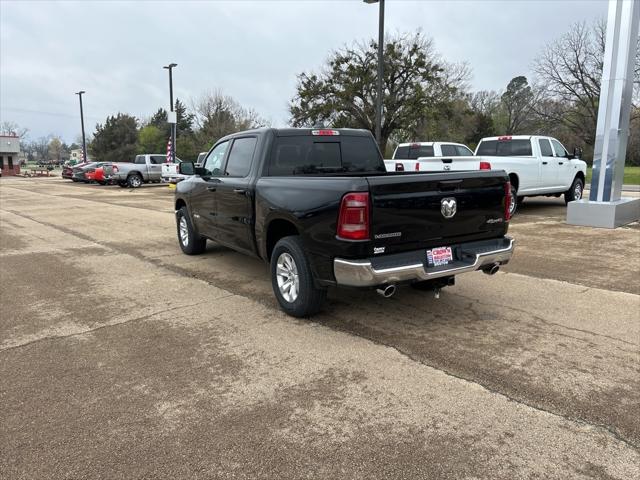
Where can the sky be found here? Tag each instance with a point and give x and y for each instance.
(251, 50)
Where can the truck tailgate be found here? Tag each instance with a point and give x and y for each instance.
(408, 211)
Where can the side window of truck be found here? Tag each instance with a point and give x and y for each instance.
(158, 159)
(560, 150)
(545, 148)
(449, 150)
(241, 157)
(213, 163)
(464, 151)
(139, 159)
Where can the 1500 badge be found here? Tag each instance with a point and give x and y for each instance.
(494, 220)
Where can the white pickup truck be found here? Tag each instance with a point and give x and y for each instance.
(406, 155)
(171, 174)
(537, 165)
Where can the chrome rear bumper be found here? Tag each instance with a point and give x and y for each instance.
(412, 266)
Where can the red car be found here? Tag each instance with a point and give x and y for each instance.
(97, 175)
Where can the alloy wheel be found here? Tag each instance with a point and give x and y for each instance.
(287, 277)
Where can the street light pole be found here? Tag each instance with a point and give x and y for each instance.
(380, 71)
(170, 67)
(84, 141)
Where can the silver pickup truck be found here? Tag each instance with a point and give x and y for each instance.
(145, 168)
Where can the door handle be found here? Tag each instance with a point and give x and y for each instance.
(560, 163)
(544, 163)
(212, 189)
(240, 191)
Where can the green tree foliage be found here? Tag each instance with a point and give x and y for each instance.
(152, 140)
(518, 103)
(116, 140)
(344, 93)
(184, 126)
(159, 120)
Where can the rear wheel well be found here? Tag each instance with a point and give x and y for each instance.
(515, 182)
(278, 229)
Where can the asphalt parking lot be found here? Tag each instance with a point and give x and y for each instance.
(120, 357)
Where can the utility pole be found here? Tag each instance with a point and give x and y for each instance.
(380, 71)
(172, 119)
(84, 141)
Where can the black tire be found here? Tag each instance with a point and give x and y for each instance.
(515, 201)
(575, 191)
(134, 180)
(191, 243)
(309, 299)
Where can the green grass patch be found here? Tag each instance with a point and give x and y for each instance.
(631, 176)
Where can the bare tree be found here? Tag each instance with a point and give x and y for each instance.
(217, 115)
(13, 129)
(570, 68)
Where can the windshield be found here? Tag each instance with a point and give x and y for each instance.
(309, 155)
(505, 148)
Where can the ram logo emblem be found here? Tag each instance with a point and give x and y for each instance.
(448, 207)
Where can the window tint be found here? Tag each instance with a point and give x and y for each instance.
(449, 150)
(545, 148)
(505, 148)
(463, 151)
(158, 159)
(299, 155)
(213, 163)
(240, 157)
(411, 152)
(139, 159)
(560, 151)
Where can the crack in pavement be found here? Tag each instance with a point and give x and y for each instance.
(605, 429)
(107, 325)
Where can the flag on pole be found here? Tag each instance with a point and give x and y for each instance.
(169, 151)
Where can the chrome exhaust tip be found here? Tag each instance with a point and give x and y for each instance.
(387, 291)
(492, 269)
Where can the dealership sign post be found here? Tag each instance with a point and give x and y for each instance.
(605, 206)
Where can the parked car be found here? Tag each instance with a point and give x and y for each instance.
(98, 174)
(86, 173)
(67, 172)
(77, 174)
(320, 207)
(145, 168)
(537, 165)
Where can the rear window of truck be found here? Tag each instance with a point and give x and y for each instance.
(505, 148)
(411, 152)
(312, 155)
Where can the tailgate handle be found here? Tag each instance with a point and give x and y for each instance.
(447, 160)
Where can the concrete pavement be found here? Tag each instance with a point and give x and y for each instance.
(122, 358)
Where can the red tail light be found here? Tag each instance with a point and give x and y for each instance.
(507, 201)
(485, 166)
(325, 132)
(417, 166)
(399, 167)
(353, 219)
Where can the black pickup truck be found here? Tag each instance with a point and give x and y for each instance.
(321, 208)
